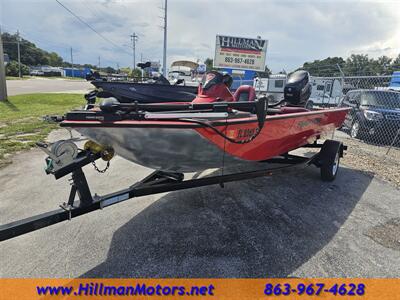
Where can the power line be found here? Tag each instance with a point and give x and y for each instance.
(90, 27)
(41, 40)
(91, 9)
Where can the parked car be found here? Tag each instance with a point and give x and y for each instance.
(36, 73)
(374, 113)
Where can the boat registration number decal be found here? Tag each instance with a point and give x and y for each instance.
(241, 133)
(245, 133)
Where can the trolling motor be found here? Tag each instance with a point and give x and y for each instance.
(90, 99)
(261, 106)
(298, 88)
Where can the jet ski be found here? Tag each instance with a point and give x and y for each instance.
(216, 128)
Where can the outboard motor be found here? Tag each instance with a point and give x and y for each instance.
(298, 88)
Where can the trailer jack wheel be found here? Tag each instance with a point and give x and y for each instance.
(330, 154)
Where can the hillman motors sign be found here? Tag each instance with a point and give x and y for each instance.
(240, 53)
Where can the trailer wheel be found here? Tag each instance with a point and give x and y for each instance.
(330, 159)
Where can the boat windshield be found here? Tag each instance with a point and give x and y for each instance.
(381, 98)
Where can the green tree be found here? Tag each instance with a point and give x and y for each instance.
(126, 70)
(55, 60)
(209, 64)
(12, 69)
(324, 67)
(136, 73)
(359, 64)
(30, 54)
(396, 63)
(109, 70)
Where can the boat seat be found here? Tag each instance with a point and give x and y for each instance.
(245, 93)
(291, 110)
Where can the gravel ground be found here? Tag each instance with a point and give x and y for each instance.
(371, 158)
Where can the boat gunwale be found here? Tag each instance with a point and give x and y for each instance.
(187, 124)
(94, 82)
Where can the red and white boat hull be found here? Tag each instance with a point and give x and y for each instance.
(183, 146)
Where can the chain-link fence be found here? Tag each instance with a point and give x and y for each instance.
(371, 129)
(374, 103)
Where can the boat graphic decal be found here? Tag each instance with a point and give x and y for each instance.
(305, 123)
(246, 133)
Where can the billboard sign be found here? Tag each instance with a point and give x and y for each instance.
(240, 53)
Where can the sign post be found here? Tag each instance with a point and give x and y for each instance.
(240, 53)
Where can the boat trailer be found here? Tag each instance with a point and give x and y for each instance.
(156, 182)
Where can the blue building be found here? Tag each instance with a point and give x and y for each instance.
(395, 81)
(240, 77)
(75, 72)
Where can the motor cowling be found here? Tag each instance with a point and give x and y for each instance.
(298, 88)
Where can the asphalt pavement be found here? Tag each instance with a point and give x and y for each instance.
(45, 85)
(286, 225)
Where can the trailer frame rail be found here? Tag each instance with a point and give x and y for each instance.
(156, 182)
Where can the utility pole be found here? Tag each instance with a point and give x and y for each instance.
(3, 85)
(141, 61)
(134, 39)
(165, 41)
(342, 74)
(99, 64)
(19, 55)
(72, 63)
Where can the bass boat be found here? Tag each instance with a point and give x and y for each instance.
(215, 127)
(215, 130)
(157, 90)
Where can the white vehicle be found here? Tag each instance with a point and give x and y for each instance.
(325, 92)
(174, 76)
(36, 73)
(271, 87)
(185, 72)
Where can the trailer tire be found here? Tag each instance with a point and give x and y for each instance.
(330, 159)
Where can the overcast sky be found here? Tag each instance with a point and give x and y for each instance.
(297, 31)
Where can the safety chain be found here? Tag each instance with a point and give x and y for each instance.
(98, 170)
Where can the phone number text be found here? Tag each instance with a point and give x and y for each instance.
(314, 289)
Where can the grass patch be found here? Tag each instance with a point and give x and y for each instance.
(21, 124)
(17, 78)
